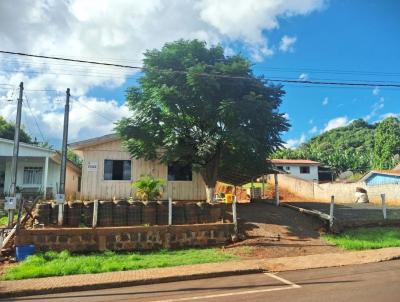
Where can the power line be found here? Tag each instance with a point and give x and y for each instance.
(281, 80)
(34, 118)
(94, 111)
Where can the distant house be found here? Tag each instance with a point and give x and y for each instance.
(382, 177)
(38, 171)
(108, 171)
(301, 168)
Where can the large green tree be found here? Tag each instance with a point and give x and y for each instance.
(387, 143)
(7, 131)
(197, 106)
(358, 146)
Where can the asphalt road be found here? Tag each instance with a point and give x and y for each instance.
(362, 283)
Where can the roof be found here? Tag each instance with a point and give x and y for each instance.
(383, 172)
(93, 141)
(57, 158)
(293, 162)
(24, 149)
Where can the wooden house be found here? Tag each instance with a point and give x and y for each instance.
(108, 171)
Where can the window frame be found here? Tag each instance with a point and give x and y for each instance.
(169, 165)
(307, 167)
(112, 170)
(32, 170)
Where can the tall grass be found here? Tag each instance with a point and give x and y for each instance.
(64, 263)
(367, 238)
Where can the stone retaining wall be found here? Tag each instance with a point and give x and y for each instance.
(126, 238)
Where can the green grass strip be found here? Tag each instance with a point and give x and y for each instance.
(367, 238)
(64, 263)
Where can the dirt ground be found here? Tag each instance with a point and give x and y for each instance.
(278, 232)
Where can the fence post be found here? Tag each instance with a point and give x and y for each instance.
(383, 197)
(234, 216)
(169, 210)
(276, 189)
(60, 214)
(331, 212)
(95, 213)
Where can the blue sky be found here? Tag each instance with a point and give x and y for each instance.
(314, 39)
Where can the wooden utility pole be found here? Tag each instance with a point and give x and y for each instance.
(14, 162)
(64, 146)
(63, 171)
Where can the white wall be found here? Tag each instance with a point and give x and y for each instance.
(294, 170)
(52, 179)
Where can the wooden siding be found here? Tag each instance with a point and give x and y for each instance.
(95, 187)
(71, 184)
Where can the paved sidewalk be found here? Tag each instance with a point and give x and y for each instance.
(190, 272)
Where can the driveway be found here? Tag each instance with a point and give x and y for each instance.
(279, 232)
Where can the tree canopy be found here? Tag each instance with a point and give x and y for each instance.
(197, 106)
(358, 147)
(7, 131)
(387, 143)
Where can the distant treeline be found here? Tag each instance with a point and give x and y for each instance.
(358, 147)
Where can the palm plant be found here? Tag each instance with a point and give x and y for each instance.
(148, 187)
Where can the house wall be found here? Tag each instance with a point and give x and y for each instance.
(95, 187)
(294, 170)
(380, 179)
(343, 192)
(53, 178)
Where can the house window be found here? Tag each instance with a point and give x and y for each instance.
(117, 169)
(33, 175)
(79, 183)
(287, 168)
(178, 171)
(280, 167)
(304, 170)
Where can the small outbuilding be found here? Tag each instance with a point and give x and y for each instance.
(301, 168)
(382, 177)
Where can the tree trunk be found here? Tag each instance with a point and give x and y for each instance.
(210, 174)
(210, 191)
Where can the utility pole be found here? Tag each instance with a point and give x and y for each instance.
(61, 193)
(14, 161)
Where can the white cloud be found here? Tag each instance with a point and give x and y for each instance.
(286, 116)
(390, 114)
(376, 91)
(336, 122)
(313, 130)
(120, 31)
(325, 101)
(293, 143)
(303, 77)
(376, 107)
(286, 44)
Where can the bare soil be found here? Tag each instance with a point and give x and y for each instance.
(272, 232)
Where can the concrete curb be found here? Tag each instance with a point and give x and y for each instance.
(52, 285)
(72, 283)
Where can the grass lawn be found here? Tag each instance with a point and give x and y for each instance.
(4, 220)
(367, 238)
(255, 185)
(63, 263)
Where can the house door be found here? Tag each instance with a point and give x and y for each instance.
(2, 180)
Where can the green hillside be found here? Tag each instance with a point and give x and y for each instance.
(358, 146)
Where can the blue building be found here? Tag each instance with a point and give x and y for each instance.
(382, 177)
